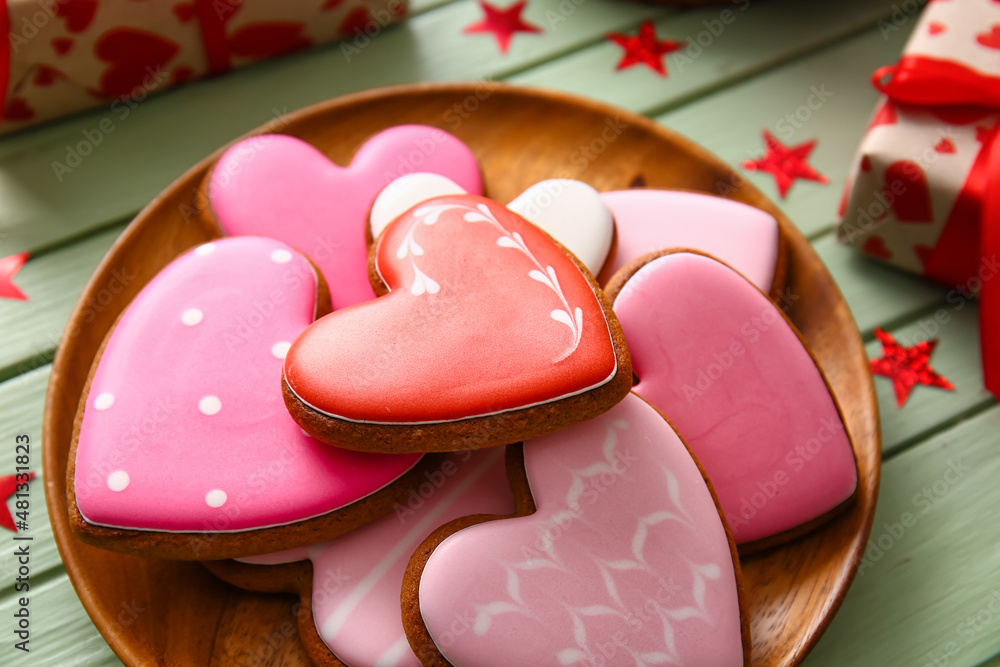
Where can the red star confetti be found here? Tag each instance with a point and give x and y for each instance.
(907, 366)
(8, 486)
(786, 163)
(9, 266)
(503, 23)
(644, 48)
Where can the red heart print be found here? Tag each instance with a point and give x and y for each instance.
(624, 526)
(866, 164)
(183, 427)
(184, 11)
(354, 23)
(270, 39)
(278, 186)
(876, 247)
(924, 254)
(46, 75)
(18, 109)
(62, 45)
(134, 59)
(913, 201)
(331, 4)
(719, 359)
(78, 13)
(885, 114)
(946, 145)
(485, 318)
(936, 27)
(181, 74)
(991, 39)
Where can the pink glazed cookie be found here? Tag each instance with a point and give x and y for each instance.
(183, 447)
(349, 586)
(279, 186)
(487, 333)
(746, 238)
(619, 556)
(716, 355)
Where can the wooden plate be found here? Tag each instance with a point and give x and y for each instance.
(520, 136)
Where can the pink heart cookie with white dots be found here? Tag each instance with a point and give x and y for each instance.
(619, 557)
(715, 355)
(284, 188)
(350, 585)
(183, 447)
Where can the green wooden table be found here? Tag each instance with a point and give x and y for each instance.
(928, 592)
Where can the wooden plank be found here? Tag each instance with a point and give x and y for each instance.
(729, 123)
(929, 587)
(21, 407)
(876, 293)
(956, 326)
(155, 142)
(721, 45)
(30, 330)
(61, 632)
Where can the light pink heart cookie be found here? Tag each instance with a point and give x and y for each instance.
(281, 187)
(648, 221)
(625, 560)
(716, 356)
(352, 583)
(183, 427)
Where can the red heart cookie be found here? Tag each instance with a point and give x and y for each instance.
(489, 333)
(184, 448)
(719, 359)
(620, 557)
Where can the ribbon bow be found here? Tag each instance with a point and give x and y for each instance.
(969, 245)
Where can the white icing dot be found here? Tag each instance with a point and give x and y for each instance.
(118, 480)
(191, 316)
(281, 256)
(206, 249)
(104, 401)
(280, 349)
(210, 405)
(215, 498)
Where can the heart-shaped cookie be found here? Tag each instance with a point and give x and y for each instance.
(350, 585)
(184, 448)
(716, 356)
(620, 558)
(488, 333)
(744, 237)
(569, 211)
(279, 186)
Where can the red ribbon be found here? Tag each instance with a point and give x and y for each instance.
(968, 250)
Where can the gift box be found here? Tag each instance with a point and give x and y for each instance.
(924, 190)
(64, 56)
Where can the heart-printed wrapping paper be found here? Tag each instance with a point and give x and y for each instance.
(68, 55)
(919, 191)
